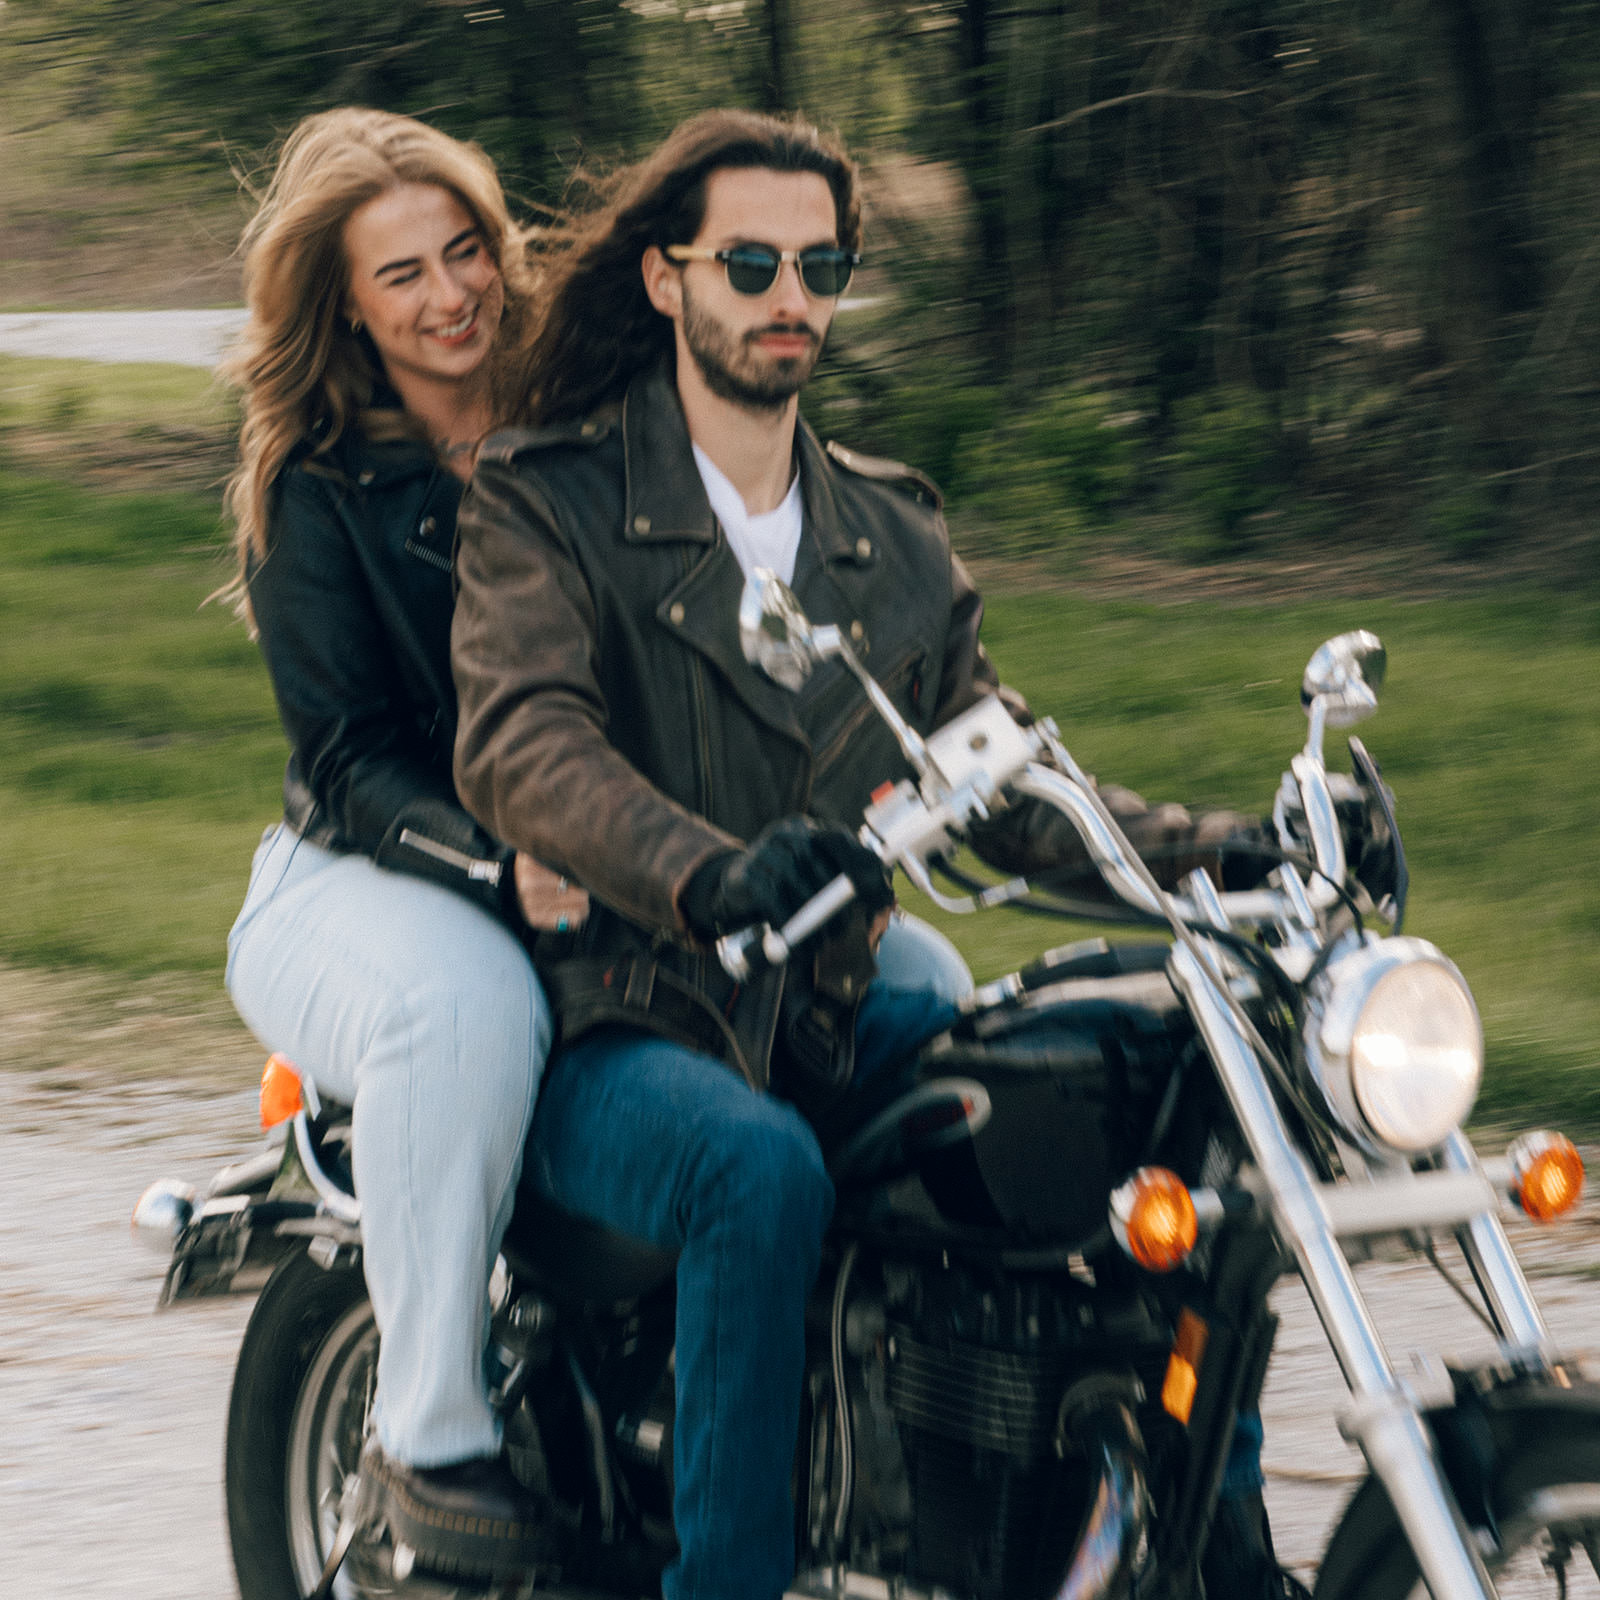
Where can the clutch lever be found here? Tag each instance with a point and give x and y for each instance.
(735, 950)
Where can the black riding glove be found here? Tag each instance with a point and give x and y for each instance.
(1247, 855)
(770, 879)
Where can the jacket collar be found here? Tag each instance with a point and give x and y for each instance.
(370, 463)
(664, 499)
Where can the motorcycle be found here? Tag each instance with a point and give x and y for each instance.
(1044, 1294)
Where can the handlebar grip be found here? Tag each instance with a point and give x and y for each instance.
(734, 949)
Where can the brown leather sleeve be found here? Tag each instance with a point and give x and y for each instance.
(533, 761)
(1030, 838)
(967, 673)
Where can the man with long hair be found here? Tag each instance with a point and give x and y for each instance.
(611, 727)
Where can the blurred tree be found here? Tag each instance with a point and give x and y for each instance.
(1374, 228)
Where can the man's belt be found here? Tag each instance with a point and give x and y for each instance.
(636, 992)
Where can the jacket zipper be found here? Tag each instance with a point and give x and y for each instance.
(863, 713)
(479, 870)
(434, 558)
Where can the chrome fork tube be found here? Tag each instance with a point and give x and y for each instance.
(1382, 1419)
(1516, 1315)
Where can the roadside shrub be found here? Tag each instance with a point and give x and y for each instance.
(936, 424)
(1062, 465)
(68, 407)
(1465, 520)
(1227, 463)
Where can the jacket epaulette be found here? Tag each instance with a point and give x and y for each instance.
(506, 444)
(881, 470)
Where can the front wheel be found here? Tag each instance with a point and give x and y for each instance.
(297, 1420)
(1546, 1498)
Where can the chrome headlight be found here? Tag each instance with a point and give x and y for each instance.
(1395, 1044)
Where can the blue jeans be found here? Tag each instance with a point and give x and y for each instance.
(408, 1002)
(669, 1145)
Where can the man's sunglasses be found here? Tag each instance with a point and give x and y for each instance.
(825, 269)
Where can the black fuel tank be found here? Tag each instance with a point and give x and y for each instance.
(1075, 1072)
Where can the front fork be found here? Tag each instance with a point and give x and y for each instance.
(1382, 1417)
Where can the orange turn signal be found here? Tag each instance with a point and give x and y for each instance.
(1183, 1366)
(1153, 1217)
(280, 1091)
(1546, 1174)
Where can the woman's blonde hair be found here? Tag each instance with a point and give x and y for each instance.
(304, 372)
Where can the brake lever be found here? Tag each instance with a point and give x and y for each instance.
(734, 950)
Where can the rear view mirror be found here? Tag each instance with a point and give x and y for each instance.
(1343, 678)
(774, 633)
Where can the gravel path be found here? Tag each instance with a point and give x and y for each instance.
(111, 1449)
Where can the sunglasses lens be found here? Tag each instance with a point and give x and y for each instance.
(751, 269)
(826, 272)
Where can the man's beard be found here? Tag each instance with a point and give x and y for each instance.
(736, 371)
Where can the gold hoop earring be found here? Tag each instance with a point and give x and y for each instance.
(355, 324)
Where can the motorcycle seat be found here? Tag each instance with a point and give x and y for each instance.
(576, 1258)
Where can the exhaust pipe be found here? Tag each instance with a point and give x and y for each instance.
(1096, 1421)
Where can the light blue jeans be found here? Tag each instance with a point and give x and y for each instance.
(913, 955)
(424, 1013)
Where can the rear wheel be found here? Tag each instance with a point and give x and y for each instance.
(297, 1421)
(1547, 1502)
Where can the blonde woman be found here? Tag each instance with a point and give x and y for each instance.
(380, 942)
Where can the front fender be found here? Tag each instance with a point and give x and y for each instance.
(1497, 1419)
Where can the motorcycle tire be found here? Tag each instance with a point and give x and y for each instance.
(298, 1312)
(1544, 1487)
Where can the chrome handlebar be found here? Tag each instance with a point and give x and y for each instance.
(970, 763)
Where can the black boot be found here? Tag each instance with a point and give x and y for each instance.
(471, 1519)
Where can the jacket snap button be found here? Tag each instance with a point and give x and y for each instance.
(675, 615)
(857, 632)
(641, 524)
(589, 429)
(863, 548)
(426, 526)
(366, 477)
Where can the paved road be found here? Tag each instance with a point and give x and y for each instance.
(111, 1438)
(180, 338)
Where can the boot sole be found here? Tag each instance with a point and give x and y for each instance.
(457, 1544)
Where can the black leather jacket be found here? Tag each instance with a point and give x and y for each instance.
(353, 603)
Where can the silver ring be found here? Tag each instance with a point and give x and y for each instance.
(561, 885)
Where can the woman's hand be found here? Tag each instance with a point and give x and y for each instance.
(548, 901)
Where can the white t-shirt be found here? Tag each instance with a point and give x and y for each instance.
(771, 539)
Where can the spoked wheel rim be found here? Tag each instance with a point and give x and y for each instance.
(326, 1434)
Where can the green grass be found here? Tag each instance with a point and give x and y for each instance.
(91, 395)
(139, 751)
(140, 755)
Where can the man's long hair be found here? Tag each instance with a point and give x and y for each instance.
(594, 327)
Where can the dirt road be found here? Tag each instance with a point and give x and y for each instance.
(111, 1417)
